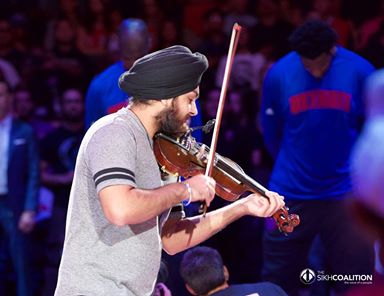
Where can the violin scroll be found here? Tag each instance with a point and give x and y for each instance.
(286, 222)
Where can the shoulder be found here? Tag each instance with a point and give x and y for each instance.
(263, 288)
(268, 288)
(290, 59)
(286, 63)
(108, 123)
(354, 59)
(109, 74)
(116, 126)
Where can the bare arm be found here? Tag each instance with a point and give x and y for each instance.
(178, 235)
(123, 204)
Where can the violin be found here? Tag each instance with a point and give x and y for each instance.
(181, 157)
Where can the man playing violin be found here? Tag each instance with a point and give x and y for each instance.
(120, 214)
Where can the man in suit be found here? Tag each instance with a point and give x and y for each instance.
(19, 184)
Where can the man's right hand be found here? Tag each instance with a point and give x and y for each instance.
(203, 188)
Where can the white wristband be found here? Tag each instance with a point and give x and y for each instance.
(186, 202)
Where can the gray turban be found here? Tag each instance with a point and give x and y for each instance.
(164, 74)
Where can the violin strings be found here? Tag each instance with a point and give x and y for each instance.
(224, 165)
(228, 167)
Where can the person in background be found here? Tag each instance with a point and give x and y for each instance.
(25, 109)
(312, 111)
(330, 12)
(104, 95)
(19, 185)
(269, 36)
(213, 44)
(61, 67)
(59, 150)
(204, 273)
(93, 32)
(8, 50)
(11, 75)
(367, 176)
(371, 26)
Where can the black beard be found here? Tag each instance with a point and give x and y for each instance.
(170, 124)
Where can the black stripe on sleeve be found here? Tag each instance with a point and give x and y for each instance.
(114, 176)
(113, 170)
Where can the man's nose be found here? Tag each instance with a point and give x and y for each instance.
(194, 110)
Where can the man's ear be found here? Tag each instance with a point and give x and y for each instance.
(190, 290)
(226, 273)
(166, 102)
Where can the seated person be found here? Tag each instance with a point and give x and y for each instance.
(205, 274)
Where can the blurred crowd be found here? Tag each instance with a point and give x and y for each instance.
(47, 46)
(51, 50)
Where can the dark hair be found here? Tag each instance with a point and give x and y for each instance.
(202, 269)
(136, 101)
(312, 39)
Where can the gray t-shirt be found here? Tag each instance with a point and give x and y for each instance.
(100, 258)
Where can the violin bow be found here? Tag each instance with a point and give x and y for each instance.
(228, 66)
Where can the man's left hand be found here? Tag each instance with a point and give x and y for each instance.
(260, 206)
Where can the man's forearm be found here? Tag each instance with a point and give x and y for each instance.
(123, 205)
(182, 234)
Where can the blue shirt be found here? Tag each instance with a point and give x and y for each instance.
(104, 95)
(310, 124)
